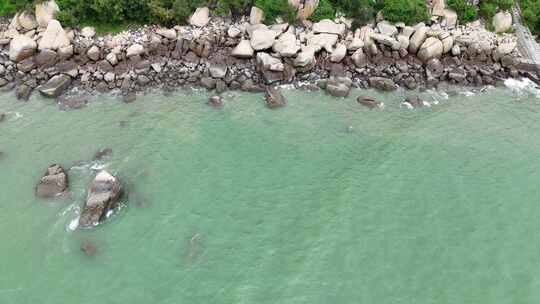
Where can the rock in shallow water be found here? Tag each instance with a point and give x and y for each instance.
(103, 195)
(54, 183)
(369, 102)
(55, 86)
(274, 98)
(215, 101)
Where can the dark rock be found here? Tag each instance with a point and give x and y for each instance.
(274, 98)
(23, 92)
(55, 86)
(381, 83)
(103, 195)
(338, 86)
(72, 102)
(142, 80)
(215, 101)
(103, 153)
(368, 102)
(45, 58)
(129, 97)
(26, 65)
(53, 184)
(2, 116)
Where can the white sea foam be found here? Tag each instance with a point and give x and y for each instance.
(523, 85)
(406, 105)
(72, 226)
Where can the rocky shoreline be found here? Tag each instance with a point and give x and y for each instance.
(37, 53)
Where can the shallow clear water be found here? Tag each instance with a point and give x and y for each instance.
(323, 201)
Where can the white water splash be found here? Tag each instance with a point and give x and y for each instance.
(406, 105)
(523, 85)
(73, 224)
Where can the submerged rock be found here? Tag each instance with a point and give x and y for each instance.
(103, 153)
(274, 98)
(88, 248)
(23, 92)
(368, 102)
(103, 195)
(215, 101)
(129, 97)
(72, 102)
(54, 183)
(2, 116)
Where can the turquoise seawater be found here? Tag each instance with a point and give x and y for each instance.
(323, 201)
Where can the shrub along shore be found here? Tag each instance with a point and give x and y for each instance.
(234, 45)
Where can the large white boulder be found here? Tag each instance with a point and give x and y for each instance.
(386, 28)
(326, 41)
(256, 16)
(134, 50)
(167, 33)
(27, 21)
(21, 47)
(417, 39)
(269, 63)
(431, 48)
(54, 37)
(262, 39)
(286, 45)
(88, 32)
(502, 22)
(45, 12)
(243, 50)
(200, 17)
(339, 53)
(327, 26)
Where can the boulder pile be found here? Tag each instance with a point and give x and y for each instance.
(36, 52)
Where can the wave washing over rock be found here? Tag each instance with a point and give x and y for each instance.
(219, 54)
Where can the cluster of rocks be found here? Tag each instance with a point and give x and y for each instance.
(220, 55)
(103, 194)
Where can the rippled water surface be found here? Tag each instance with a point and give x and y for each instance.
(323, 201)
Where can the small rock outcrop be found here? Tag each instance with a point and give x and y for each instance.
(383, 84)
(502, 22)
(103, 195)
(54, 183)
(274, 98)
(369, 102)
(55, 86)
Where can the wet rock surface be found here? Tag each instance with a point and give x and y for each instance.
(274, 98)
(54, 183)
(103, 195)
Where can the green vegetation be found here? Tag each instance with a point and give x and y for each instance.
(465, 11)
(531, 14)
(325, 10)
(276, 8)
(488, 8)
(408, 11)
